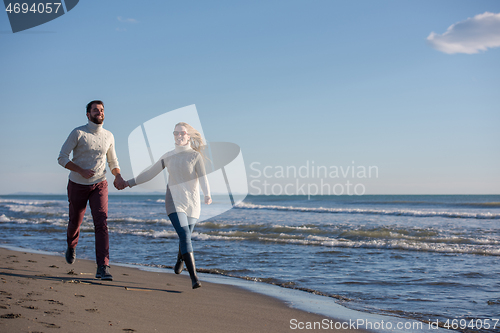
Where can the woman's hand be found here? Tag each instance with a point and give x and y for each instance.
(208, 200)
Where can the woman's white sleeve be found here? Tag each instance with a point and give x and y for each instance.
(148, 174)
(202, 176)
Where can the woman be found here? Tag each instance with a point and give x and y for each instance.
(186, 172)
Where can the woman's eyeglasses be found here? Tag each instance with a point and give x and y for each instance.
(181, 133)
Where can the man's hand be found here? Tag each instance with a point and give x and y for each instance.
(87, 173)
(208, 200)
(119, 182)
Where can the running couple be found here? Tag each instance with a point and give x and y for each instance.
(92, 146)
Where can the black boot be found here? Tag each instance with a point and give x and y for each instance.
(189, 260)
(179, 265)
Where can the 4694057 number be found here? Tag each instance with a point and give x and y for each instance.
(40, 8)
(473, 324)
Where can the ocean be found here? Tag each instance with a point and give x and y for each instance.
(422, 257)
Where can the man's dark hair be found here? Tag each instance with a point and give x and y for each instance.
(89, 106)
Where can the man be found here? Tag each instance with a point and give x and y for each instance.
(91, 145)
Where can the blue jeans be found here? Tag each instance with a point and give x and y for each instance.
(184, 226)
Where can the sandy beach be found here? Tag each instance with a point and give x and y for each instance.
(42, 293)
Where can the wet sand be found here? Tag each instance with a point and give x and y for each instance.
(42, 293)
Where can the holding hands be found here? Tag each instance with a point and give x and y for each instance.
(119, 182)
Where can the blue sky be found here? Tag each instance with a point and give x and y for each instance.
(291, 82)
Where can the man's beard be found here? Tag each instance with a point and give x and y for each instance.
(96, 120)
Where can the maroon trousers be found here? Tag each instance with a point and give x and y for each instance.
(97, 197)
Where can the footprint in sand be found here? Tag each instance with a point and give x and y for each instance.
(22, 300)
(49, 325)
(92, 310)
(11, 316)
(53, 312)
(34, 293)
(31, 307)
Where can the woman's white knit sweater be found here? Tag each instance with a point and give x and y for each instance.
(186, 172)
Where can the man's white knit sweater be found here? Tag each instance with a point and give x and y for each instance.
(186, 171)
(91, 145)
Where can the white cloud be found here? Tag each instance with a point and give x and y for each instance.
(470, 36)
(126, 20)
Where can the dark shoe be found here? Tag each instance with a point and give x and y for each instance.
(70, 255)
(179, 265)
(103, 273)
(189, 260)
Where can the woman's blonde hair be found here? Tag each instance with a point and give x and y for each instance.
(196, 141)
